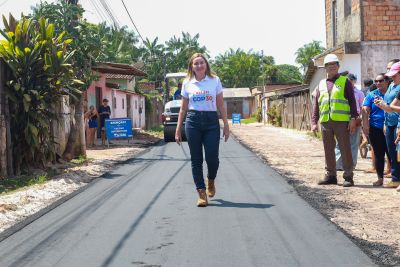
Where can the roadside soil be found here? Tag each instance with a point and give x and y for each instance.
(18, 205)
(370, 216)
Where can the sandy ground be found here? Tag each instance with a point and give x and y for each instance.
(370, 216)
(18, 205)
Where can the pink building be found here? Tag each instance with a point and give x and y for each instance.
(116, 83)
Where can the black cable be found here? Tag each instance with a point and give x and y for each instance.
(132, 21)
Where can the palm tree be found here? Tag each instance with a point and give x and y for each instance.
(307, 52)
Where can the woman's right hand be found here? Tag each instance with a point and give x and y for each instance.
(178, 136)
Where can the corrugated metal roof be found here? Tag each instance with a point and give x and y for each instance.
(236, 92)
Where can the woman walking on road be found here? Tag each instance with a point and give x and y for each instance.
(201, 96)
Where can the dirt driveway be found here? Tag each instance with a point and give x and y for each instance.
(369, 216)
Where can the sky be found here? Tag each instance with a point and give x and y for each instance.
(278, 28)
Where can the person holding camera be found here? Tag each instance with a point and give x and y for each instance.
(373, 122)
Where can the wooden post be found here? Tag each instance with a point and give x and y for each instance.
(3, 129)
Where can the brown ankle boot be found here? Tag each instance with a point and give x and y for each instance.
(202, 201)
(210, 187)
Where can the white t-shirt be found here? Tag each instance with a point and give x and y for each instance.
(202, 94)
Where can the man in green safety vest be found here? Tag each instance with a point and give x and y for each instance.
(334, 106)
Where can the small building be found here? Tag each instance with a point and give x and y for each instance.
(116, 83)
(364, 34)
(289, 106)
(238, 100)
(261, 101)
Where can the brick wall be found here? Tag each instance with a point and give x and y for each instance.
(328, 21)
(381, 20)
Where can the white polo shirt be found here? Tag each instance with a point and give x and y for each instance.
(202, 94)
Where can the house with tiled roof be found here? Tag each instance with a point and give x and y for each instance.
(116, 82)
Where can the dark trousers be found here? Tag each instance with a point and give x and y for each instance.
(202, 130)
(390, 138)
(378, 143)
(330, 131)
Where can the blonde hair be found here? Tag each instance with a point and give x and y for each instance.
(190, 72)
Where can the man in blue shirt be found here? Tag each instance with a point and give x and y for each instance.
(104, 112)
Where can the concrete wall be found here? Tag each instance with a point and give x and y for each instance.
(119, 110)
(123, 83)
(352, 64)
(138, 103)
(317, 77)
(344, 23)
(375, 55)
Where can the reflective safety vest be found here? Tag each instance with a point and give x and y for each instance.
(333, 106)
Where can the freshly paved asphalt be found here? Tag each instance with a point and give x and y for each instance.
(143, 214)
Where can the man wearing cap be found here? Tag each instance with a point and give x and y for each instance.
(392, 124)
(334, 106)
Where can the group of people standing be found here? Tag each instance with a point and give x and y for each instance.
(92, 119)
(343, 113)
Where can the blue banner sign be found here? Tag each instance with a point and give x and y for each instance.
(119, 128)
(235, 118)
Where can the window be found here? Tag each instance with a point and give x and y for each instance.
(334, 22)
(347, 7)
(123, 103)
(114, 102)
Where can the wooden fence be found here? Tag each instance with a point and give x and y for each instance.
(295, 110)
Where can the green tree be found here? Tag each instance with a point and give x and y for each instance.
(66, 18)
(237, 68)
(305, 53)
(288, 74)
(180, 49)
(39, 60)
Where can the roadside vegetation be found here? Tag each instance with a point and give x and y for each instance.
(80, 160)
(14, 183)
(157, 131)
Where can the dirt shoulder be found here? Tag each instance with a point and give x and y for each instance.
(18, 205)
(369, 216)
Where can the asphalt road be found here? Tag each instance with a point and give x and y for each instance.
(143, 214)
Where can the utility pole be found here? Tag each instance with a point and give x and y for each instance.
(263, 104)
(166, 91)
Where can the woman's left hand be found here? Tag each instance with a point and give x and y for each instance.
(226, 132)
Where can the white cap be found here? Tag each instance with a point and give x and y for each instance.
(330, 58)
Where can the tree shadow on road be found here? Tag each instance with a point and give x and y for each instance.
(228, 204)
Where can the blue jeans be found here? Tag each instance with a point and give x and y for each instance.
(202, 130)
(390, 138)
(354, 143)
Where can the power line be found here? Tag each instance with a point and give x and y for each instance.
(115, 19)
(110, 13)
(3, 3)
(100, 12)
(132, 21)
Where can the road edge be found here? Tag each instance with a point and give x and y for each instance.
(353, 239)
(31, 218)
